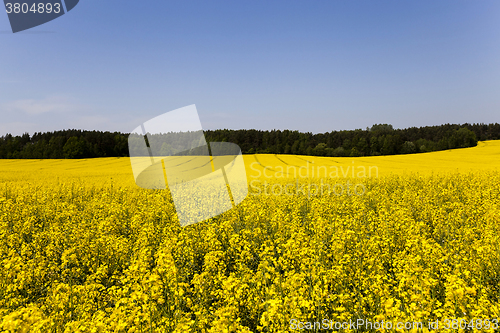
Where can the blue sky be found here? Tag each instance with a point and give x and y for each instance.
(313, 66)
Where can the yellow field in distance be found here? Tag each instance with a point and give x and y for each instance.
(485, 156)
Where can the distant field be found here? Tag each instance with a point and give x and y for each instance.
(486, 156)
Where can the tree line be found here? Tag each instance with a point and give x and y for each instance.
(380, 139)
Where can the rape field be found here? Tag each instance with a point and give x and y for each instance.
(85, 250)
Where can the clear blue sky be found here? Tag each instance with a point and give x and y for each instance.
(313, 66)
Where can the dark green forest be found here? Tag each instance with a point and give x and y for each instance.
(380, 139)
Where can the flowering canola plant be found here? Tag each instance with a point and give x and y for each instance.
(83, 249)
